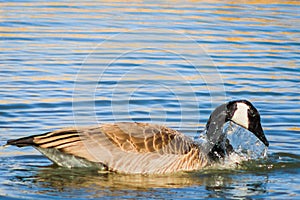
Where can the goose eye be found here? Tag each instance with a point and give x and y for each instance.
(251, 113)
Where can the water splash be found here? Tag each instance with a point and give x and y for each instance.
(246, 146)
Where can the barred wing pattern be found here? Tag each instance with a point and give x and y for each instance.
(121, 147)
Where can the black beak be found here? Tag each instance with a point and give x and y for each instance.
(257, 130)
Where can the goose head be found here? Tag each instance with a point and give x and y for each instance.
(240, 112)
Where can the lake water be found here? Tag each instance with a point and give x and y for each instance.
(67, 64)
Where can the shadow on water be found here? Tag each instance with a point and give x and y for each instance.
(251, 178)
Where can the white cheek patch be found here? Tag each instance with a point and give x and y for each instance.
(240, 116)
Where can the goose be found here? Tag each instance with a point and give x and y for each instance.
(144, 148)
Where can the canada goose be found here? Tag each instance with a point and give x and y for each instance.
(144, 148)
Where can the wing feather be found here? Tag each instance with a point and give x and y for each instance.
(126, 147)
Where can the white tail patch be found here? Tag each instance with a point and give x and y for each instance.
(240, 116)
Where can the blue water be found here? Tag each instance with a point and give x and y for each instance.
(67, 64)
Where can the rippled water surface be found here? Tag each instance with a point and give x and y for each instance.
(66, 64)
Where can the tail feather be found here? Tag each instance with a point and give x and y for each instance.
(22, 142)
(64, 147)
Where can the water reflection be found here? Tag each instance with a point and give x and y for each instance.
(220, 183)
(248, 179)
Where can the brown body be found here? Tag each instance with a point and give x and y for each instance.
(121, 147)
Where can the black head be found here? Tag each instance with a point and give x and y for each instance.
(241, 112)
